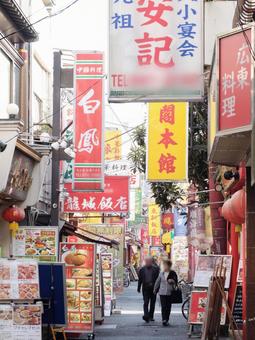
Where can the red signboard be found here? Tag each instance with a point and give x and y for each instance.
(79, 262)
(88, 173)
(234, 73)
(145, 238)
(114, 198)
(167, 221)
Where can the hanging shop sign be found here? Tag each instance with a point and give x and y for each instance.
(197, 309)
(107, 268)
(167, 151)
(88, 171)
(117, 168)
(114, 232)
(19, 279)
(180, 221)
(206, 265)
(114, 198)
(235, 75)
(156, 241)
(164, 58)
(145, 238)
(22, 321)
(154, 220)
(80, 282)
(167, 221)
(36, 242)
(113, 145)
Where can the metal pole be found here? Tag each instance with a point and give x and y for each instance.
(56, 131)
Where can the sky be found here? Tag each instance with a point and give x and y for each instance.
(85, 27)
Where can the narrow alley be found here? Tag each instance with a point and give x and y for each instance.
(128, 323)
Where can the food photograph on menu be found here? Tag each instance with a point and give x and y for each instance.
(80, 281)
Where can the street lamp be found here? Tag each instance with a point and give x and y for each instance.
(13, 110)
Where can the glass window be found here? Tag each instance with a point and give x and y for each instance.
(5, 84)
(16, 85)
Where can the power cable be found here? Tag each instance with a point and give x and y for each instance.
(53, 114)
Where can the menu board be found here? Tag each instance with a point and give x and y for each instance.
(240, 272)
(36, 242)
(107, 267)
(19, 279)
(20, 322)
(205, 268)
(80, 282)
(113, 232)
(198, 307)
(98, 294)
(238, 307)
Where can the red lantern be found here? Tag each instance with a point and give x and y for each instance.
(13, 215)
(233, 209)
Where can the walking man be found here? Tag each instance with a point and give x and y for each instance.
(148, 275)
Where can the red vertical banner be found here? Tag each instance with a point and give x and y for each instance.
(88, 174)
(235, 80)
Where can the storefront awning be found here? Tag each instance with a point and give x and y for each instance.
(70, 230)
(14, 12)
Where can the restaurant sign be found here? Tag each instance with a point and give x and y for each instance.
(235, 74)
(88, 170)
(156, 50)
(167, 156)
(114, 198)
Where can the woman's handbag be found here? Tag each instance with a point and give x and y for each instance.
(176, 295)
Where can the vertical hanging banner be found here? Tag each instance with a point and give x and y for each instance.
(167, 147)
(235, 74)
(154, 220)
(156, 50)
(113, 145)
(88, 172)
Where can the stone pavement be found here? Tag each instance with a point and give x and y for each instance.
(128, 324)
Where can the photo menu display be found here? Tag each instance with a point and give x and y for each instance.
(80, 282)
(19, 279)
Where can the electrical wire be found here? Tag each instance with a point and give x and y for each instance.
(53, 114)
(40, 20)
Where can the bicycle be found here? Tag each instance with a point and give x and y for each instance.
(186, 288)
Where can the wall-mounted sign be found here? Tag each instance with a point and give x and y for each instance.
(113, 145)
(36, 242)
(114, 198)
(20, 177)
(235, 72)
(88, 171)
(156, 50)
(154, 223)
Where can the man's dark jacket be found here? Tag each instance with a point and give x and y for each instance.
(141, 278)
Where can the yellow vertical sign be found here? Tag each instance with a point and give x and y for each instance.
(113, 148)
(154, 220)
(167, 153)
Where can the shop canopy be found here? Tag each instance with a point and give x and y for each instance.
(70, 230)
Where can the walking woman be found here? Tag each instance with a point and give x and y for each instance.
(166, 282)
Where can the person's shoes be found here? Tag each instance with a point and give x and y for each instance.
(152, 319)
(165, 323)
(146, 319)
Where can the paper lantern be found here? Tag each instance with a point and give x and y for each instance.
(13, 215)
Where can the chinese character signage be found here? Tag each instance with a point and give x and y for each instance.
(88, 172)
(235, 85)
(113, 145)
(114, 198)
(167, 149)
(145, 238)
(154, 220)
(80, 263)
(156, 50)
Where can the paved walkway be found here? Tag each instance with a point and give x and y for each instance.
(128, 324)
